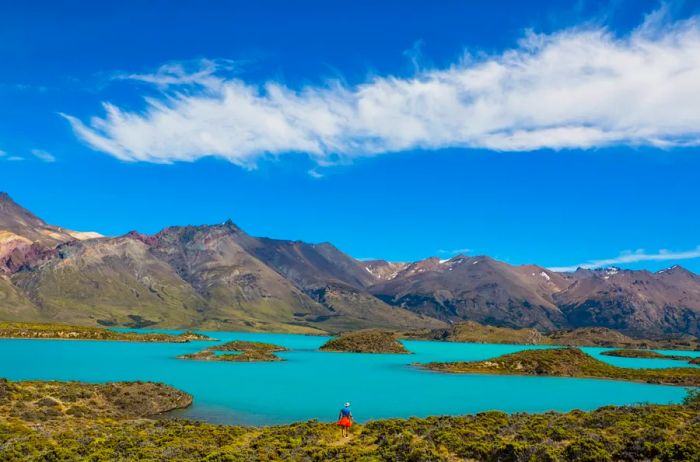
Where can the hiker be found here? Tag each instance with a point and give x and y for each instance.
(345, 419)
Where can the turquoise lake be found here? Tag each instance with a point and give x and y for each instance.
(313, 385)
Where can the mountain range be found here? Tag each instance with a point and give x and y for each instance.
(219, 277)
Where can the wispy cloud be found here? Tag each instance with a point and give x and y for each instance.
(201, 73)
(577, 88)
(454, 251)
(5, 156)
(634, 257)
(44, 156)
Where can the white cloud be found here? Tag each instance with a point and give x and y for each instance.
(43, 155)
(578, 88)
(14, 158)
(2, 153)
(634, 257)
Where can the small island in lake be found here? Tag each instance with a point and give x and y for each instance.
(366, 341)
(644, 354)
(242, 351)
(568, 362)
(21, 330)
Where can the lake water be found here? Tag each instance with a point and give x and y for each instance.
(313, 385)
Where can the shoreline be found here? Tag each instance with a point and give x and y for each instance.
(104, 340)
(171, 414)
(50, 421)
(548, 340)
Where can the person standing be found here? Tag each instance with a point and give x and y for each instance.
(345, 419)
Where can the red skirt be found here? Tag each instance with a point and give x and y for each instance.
(345, 422)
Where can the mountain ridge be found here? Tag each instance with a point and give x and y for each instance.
(210, 276)
(220, 277)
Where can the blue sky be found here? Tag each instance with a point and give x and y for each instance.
(560, 133)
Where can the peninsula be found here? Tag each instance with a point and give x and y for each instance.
(644, 354)
(20, 330)
(568, 362)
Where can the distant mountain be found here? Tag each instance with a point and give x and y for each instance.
(26, 238)
(667, 301)
(215, 277)
(331, 278)
(109, 282)
(14, 305)
(495, 293)
(270, 283)
(21, 222)
(475, 288)
(238, 288)
(220, 277)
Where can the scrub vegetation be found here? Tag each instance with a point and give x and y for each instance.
(60, 422)
(568, 362)
(67, 332)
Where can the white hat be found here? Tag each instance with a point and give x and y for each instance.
(347, 404)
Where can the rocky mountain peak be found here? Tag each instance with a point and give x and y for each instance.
(230, 225)
(676, 271)
(145, 238)
(13, 214)
(383, 270)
